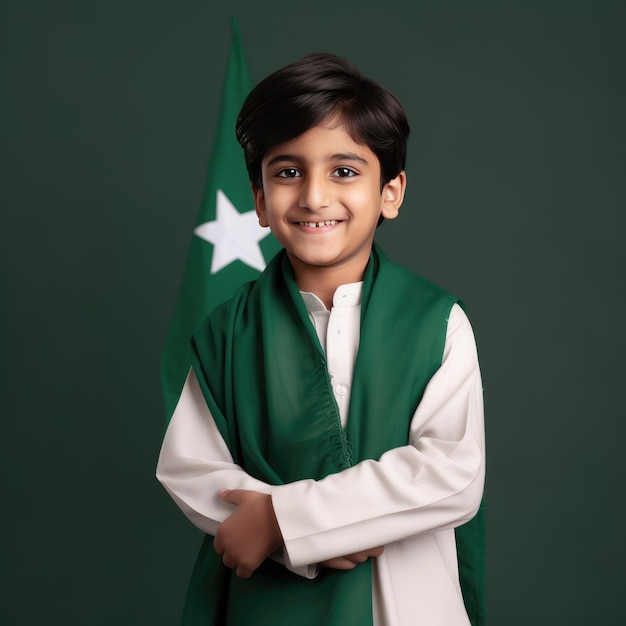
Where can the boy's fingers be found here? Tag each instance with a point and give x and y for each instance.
(365, 554)
(359, 557)
(352, 560)
(341, 563)
(376, 551)
(229, 561)
(234, 496)
(243, 572)
(226, 495)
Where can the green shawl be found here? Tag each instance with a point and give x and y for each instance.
(263, 374)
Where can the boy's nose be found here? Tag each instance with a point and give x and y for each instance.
(314, 193)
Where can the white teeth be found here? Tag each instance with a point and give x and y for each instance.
(318, 224)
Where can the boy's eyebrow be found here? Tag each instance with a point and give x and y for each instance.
(340, 156)
(284, 157)
(348, 156)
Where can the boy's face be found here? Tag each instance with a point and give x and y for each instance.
(321, 198)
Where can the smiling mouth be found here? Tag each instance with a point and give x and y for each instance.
(319, 224)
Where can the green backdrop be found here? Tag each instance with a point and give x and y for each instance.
(516, 203)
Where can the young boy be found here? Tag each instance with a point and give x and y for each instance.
(329, 437)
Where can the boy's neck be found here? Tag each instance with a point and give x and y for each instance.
(323, 281)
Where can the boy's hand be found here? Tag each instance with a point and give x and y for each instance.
(250, 534)
(350, 561)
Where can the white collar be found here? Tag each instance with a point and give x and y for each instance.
(344, 296)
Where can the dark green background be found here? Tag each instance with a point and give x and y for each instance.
(515, 203)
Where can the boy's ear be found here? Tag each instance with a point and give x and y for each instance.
(259, 204)
(393, 196)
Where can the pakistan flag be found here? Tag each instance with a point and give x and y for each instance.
(228, 246)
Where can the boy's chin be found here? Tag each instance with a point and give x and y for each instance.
(326, 259)
(311, 260)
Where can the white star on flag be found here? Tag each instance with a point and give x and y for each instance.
(234, 235)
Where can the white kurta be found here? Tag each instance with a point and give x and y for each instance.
(409, 500)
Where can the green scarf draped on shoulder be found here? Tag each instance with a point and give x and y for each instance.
(263, 374)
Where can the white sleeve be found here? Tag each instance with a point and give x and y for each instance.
(195, 463)
(434, 483)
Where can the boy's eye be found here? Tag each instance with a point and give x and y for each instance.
(288, 172)
(344, 172)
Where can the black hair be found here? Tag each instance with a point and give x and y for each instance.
(303, 94)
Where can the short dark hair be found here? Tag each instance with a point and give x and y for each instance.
(303, 94)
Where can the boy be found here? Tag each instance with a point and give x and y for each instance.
(330, 433)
